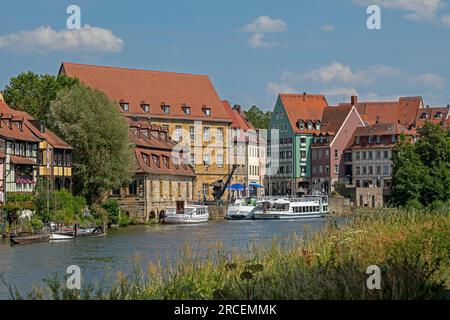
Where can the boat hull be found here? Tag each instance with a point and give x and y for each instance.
(186, 219)
(240, 213)
(283, 216)
(62, 236)
(30, 239)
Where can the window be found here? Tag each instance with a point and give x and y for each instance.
(378, 155)
(156, 160)
(166, 108)
(125, 106)
(393, 139)
(303, 169)
(206, 159)
(192, 159)
(358, 170)
(370, 155)
(310, 125)
(205, 189)
(207, 111)
(336, 153)
(186, 109)
(288, 154)
(132, 188)
(336, 169)
(206, 133)
(320, 169)
(358, 140)
(303, 140)
(178, 135)
(145, 107)
(145, 158)
(364, 155)
(358, 155)
(378, 170)
(192, 133)
(318, 126)
(220, 134)
(219, 160)
(378, 139)
(166, 161)
(327, 154)
(386, 154)
(370, 170)
(364, 171)
(303, 154)
(386, 170)
(370, 139)
(327, 169)
(438, 115)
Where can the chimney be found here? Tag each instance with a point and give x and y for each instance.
(354, 100)
(238, 108)
(1, 97)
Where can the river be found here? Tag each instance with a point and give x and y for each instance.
(26, 265)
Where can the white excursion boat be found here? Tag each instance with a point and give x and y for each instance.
(295, 208)
(242, 209)
(62, 236)
(186, 214)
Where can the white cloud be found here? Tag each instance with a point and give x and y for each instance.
(260, 27)
(341, 73)
(257, 41)
(416, 9)
(427, 79)
(327, 27)
(277, 88)
(265, 24)
(45, 39)
(340, 92)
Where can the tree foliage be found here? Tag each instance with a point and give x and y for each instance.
(91, 124)
(421, 171)
(33, 93)
(258, 118)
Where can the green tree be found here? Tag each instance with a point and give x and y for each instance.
(103, 158)
(421, 172)
(33, 93)
(408, 175)
(258, 118)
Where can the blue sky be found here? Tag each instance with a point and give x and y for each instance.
(251, 49)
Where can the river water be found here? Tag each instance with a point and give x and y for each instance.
(26, 265)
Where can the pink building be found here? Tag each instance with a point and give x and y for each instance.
(327, 149)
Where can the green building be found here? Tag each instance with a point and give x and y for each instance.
(295, 120)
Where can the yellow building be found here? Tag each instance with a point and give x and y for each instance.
(187, 105)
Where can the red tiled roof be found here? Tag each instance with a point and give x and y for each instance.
(239, 119)
(154, 88)
(22, 160)
(431, 116)
(381, 129)
(151, 167)
(333, 118)
(48, 135)
(404, 110)
(303, 107)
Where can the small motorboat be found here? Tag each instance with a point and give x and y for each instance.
(89, 232)
(186, 214)
(30, 237)
(62, 235)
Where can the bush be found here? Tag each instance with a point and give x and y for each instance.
(113, 211)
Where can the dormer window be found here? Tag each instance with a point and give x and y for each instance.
(145, 158)
(125, 106)
(378, 139)
(301, 125)
(145, 107)
(317, 125)
(165, 108)
(207, 111)
(310, 125)
(393, 139)
(156, 160)
(166, 161)
(370, 139)
(438, 115)
(186, 109)
(358, 140)
(424, 115)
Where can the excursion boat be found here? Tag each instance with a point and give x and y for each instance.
(295, 208)
(30, 237)
(186, 214)
(242, 209)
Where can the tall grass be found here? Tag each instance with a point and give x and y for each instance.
(411, 248)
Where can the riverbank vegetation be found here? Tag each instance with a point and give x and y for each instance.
(411, 247)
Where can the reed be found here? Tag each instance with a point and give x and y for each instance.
(412, 249)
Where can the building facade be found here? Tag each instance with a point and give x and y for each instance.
(161, 178)
(295, 120)
(186, 105)
(247, 150)
(328, 146)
